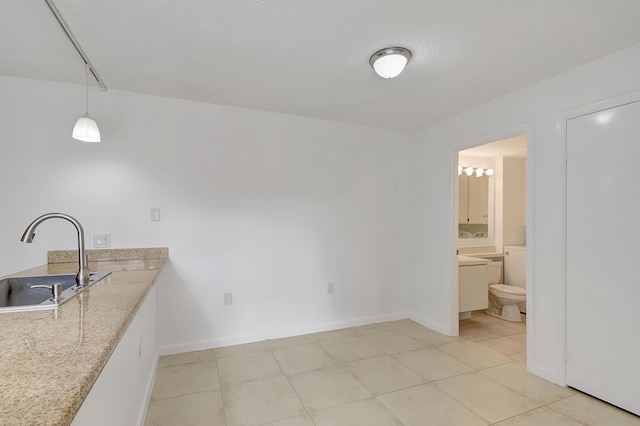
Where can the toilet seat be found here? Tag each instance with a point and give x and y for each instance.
(508, 290)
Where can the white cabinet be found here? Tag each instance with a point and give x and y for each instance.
(121, 393)
(473, 199)
(473, 288)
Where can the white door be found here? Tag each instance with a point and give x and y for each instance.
(603, 255)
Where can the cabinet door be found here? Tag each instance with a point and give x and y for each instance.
(479, 199)
(463, 198)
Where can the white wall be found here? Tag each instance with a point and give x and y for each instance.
(531, 110)
(267, 206)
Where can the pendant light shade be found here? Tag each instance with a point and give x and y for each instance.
(390, 62)
(86, 128)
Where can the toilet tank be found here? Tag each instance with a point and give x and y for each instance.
(515, 266)
(495, 272)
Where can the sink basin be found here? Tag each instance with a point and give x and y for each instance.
(19, 293)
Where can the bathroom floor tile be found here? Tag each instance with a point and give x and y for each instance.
(296, 359)
(590, 411)
(520, 357)
(491, 400)
(478, 333)
(351, 349)
(537, 417)
(187, 357)
(474, 355)
(516, 376)
(327, 387)
(368, 412)
(261, 402)
(383, 374)
(182, 379)
(196, 409)
(245, 368)
(393, 341)
(426, 405)
(432, 364)
(294, 421)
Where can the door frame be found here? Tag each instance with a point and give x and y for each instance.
(527, 129)
(561, 126)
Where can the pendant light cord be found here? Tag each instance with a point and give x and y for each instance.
(87, 78)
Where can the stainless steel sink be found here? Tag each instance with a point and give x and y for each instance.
(36, 292)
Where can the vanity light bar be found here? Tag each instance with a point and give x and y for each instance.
(478, 171)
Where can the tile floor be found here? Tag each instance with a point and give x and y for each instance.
(393, 373)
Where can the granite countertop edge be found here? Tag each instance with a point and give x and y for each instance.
(44, 363)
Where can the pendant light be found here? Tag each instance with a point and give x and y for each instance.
(86, 128)
(390, 62)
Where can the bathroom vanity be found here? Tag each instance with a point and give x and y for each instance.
(473, 284)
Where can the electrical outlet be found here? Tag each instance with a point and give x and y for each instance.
(155, 215)
(101, 240)
(330, 288)
(228, 298)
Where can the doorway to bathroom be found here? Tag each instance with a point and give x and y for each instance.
(491, 227)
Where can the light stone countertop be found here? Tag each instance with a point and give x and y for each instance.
(50, 359)
(471, 261)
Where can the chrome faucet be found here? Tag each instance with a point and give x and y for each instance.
(82, 278)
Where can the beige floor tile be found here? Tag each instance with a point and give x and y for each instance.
(196, 409)
(327, 387)
(476, 334)
(286, 342)
(593, 412)
(296, 359)
(182, 379)
(486, 397)
(516, 376)
(377, 326)
(505, 345)
(428, 337)
(187, 357)
(247, 348)
(432, 364)
(383, 374)
(351, 349)
(368, 412)
(473, 354)
(540, 416)
(294, 421)
(426, 405)
(335, 334)
(506, 328)
(520, 357)
(260, 402)
(245, 368)
(393, 341)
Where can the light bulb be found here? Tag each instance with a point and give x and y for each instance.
(488, 172)
(459, 170)
(479, 171)
(469, 171)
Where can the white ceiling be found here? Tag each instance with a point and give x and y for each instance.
(310, 57)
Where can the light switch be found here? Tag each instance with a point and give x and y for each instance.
(155, 215)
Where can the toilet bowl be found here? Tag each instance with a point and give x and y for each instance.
(503, 298)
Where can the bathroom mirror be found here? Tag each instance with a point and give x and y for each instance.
(474, 206)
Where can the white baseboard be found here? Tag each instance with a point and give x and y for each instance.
(174, 348)
(149, 388)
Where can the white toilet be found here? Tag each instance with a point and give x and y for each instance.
(503, 298)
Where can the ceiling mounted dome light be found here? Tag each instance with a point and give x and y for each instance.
(389, 62)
